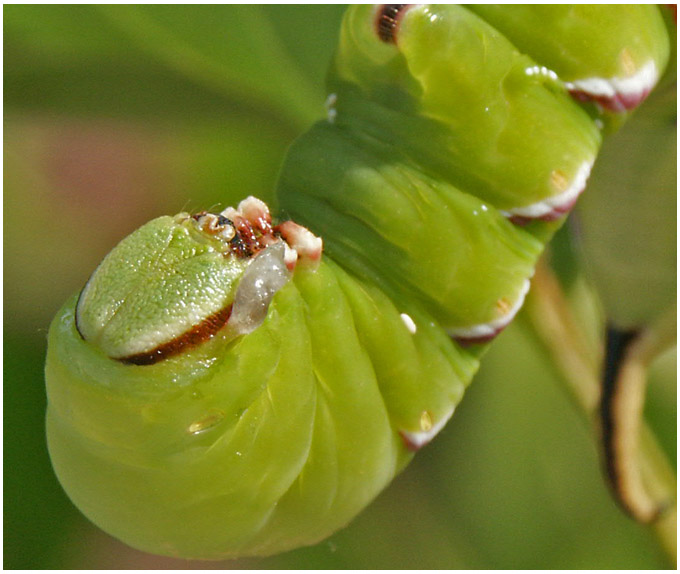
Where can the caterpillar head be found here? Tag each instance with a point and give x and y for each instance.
(179, 281)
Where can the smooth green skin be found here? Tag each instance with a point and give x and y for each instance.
(416, 237)
(457, 94)
(301, 419)
(306, 414)
(399, 107)
(630, 212)
(629, 215)
(159, 282)
(579, 41)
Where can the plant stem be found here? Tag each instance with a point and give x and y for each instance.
(553, 323)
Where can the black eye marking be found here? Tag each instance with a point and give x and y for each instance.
(387, 21)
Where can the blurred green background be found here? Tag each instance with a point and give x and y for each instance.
(117, 114)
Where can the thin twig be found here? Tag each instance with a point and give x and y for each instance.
(553, 323)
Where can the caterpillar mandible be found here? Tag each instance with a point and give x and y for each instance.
(231, 384)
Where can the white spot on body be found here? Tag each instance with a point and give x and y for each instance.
(541, 71)
(331, 112)
(643, 80)
(410, 325)
(618, 93)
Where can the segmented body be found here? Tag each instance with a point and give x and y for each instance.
(221, 389)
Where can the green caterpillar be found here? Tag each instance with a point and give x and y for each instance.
(220, 388)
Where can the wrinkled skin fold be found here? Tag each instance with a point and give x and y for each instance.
(451, 154)
(297, 415)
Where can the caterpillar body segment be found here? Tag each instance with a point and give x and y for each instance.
(236, 384)
(248, 438)
(418, 237)
(456, 96)
(609, 55)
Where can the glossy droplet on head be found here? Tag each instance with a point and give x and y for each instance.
(266, 274)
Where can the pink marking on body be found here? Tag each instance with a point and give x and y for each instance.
(257, 214)
(555, 206)
(465, 341)
(304, 242)
(617, 103)
(616, 94)
(248, 230)
(485, 332)
(553, 215)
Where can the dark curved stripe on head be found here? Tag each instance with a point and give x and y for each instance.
(198, 334)
(387, 21)
(75, 315)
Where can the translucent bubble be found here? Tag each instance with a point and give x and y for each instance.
(262, 279)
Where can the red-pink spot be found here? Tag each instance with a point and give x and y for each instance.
(553, 215)
(617, 103)
(479, 340)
